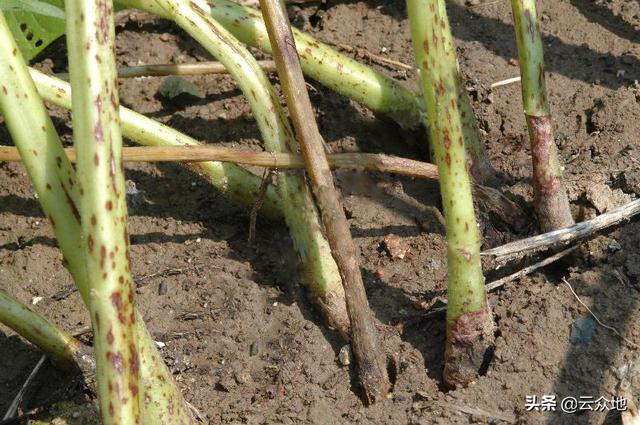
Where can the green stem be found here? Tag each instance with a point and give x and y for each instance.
(67, 352)
(103, 209)
(325, 65)
(480, 167)
(321, 274)
(63, 349)
(54, 180)
(231, 180)
(469, 322)
(551, 202)
(353, 79)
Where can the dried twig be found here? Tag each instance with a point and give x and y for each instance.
(506, 82)
(563, 236)
(529, 269)
(502, 281)
(491, 199)
(171, 271)
(280, 160)
(380, 60)
(13, 407)
(479, 412)
(200, 68)
(604, 325)
(372, 373)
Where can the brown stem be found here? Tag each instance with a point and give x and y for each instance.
(372, 373)
(160, 70)
(280, 160)
(489, 199)
(552, 203)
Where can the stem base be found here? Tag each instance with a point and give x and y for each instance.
(551, 201)
(470, 344)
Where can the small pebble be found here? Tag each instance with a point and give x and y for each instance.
(165, 36)
(404, 365)
(253, 350)
(395, 246)
(344, 356)
(610, 60)
(615, 246)
(162, 288)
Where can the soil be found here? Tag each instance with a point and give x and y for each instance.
(226, 298)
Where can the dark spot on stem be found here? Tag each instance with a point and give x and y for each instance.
(446, 138)
(116, 361)
(72, 205)
(116, 300)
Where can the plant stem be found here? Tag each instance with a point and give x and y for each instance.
(276, 160)
(54, 180)
(103, 208)
(231, 180)
(372, 373)
(353, 79)
(320, 273)
(551, 202)
(325, 65)
(480, 167)
(64, 350)
(469, 321)
(199, 68)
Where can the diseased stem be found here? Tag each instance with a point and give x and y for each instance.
(327, 66)
(54, 180)
(231, 180)
(469, 321)
(103, 209)
(352, 79)
(480, 167)
(320, 273)
(64, 350)
(551, 202)
(370, 361)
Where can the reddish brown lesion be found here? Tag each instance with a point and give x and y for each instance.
(551, 200)
(470, 341)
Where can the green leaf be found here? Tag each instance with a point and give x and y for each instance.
(34, 23)
(174, 86)
(33, 6)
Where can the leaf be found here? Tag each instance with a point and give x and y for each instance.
(33, 23)
(175, 86)
(33, 6)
